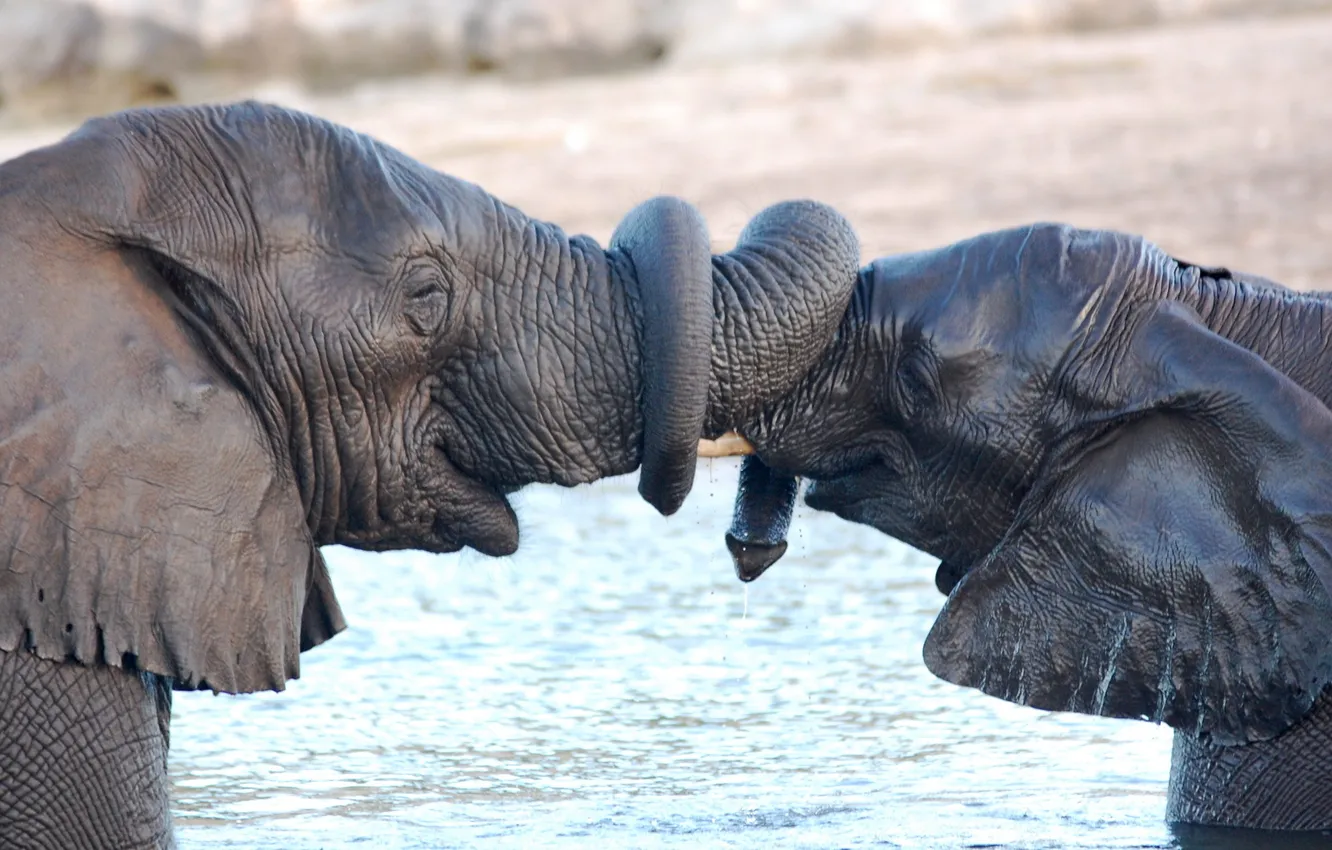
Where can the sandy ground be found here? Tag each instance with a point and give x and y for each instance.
(1214, 140)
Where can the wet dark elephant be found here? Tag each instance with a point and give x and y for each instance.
(231, 335)
(1124, 464)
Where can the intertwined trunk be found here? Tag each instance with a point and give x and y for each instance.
(600, 369)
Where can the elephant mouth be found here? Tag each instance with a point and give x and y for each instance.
(958, 562)
(950, 573)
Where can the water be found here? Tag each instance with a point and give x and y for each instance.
(612, 685)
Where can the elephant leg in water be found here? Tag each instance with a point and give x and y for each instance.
(1124, 465)
(82, 755)
(232, 335)
(1282, 783)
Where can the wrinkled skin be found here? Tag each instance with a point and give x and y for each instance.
(1123, 463)
(232, 335)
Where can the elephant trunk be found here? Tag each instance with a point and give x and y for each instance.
(779, 298)
(667, 241)
(763, 505)
(723, 336)
(629, 355)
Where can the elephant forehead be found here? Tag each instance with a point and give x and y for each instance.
(297, 176)
(357, 196)
(1024, 291)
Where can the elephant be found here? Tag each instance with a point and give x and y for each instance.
(1123, 462)
(232, 334)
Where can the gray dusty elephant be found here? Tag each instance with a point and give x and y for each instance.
(1124, 463)
(231, 335)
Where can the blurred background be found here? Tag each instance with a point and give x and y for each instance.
(613, 683)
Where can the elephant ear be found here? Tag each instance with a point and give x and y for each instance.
(144, 523)
(667, 241)
(1176, 567)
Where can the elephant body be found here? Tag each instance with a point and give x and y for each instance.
(234, 334)
(1121, 461)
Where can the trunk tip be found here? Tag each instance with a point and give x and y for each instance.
(753, 559)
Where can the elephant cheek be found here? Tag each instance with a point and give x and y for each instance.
(839, 496)
(875, 497)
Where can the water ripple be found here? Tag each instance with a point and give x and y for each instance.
(614, 682)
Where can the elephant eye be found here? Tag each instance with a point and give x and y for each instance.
(427, 288)
(427, 300)
(916, 384)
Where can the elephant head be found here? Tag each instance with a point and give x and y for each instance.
(1121, 461)
(234, 334)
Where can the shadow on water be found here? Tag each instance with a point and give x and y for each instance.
(1190, 837)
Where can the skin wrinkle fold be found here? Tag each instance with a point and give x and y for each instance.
(549, 335)
(322, 449)
(359, 478)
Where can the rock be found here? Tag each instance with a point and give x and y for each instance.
(726, 30)
(96, 55)
(60, 55)
(329, 42)
(101, 54)
(533, 37)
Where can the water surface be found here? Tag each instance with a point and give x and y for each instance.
(614, 685)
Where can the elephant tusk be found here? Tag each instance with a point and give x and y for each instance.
(727, 445)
